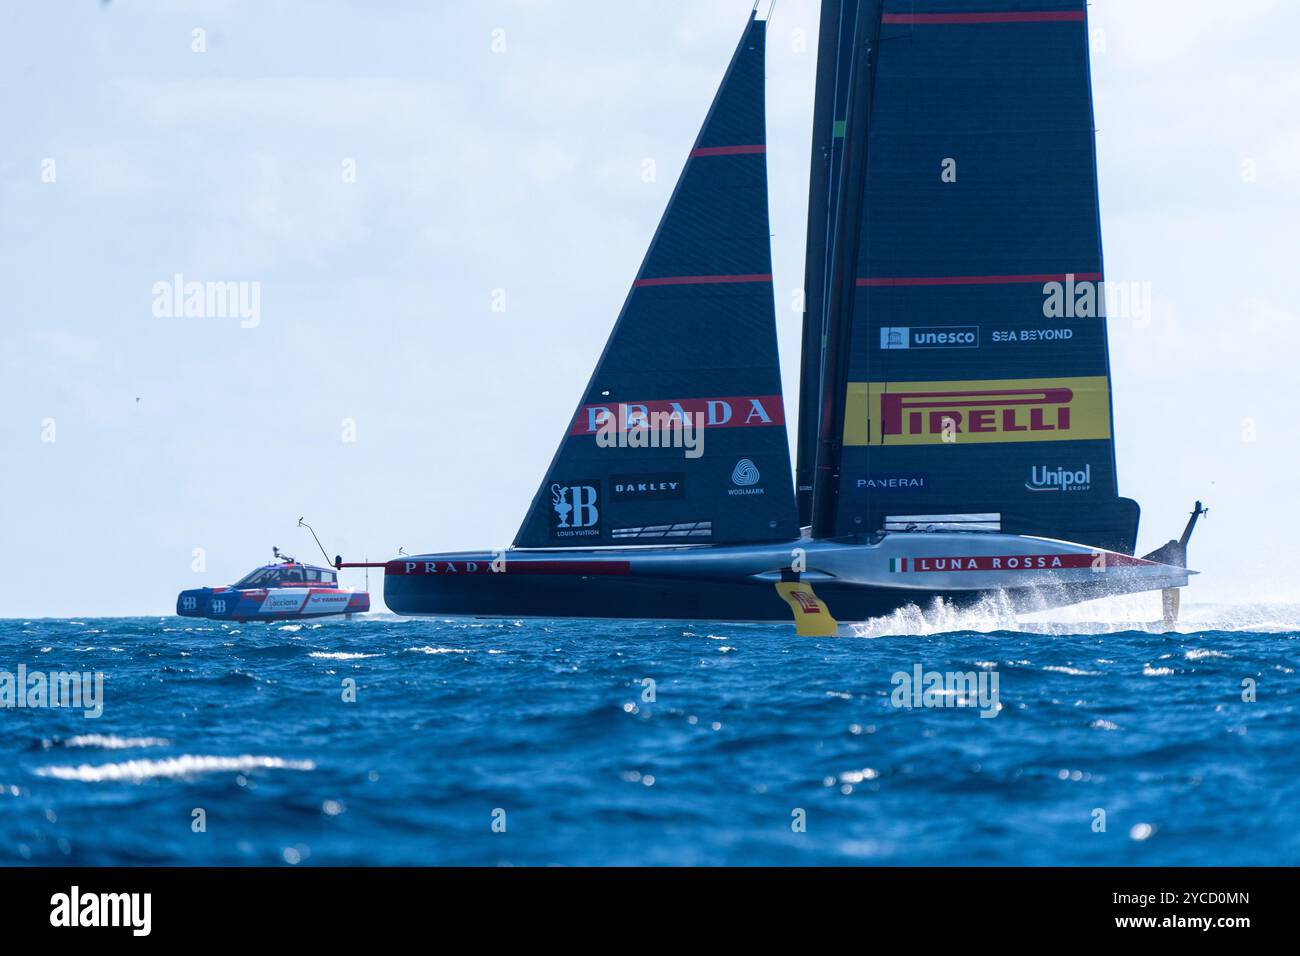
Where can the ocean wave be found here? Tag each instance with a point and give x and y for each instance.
(1062, 669)
(1199, 653)
(340, 655)
(426, 649)
(113, 742)
(183, 766)
(1149, 671)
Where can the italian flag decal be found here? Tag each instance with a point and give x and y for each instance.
(897, 564)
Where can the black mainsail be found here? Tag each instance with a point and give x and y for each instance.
(967, 363)
(696, 344)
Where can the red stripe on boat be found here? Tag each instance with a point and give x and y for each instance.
(1009, 16)
(700, 280)
(510, 566)
(980, 280)
(729, 150)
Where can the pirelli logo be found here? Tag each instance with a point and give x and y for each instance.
(1016, 410)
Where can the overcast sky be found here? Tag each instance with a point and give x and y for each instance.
(389, 172)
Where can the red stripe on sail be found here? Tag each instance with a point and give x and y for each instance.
(981, 280)
(732, 411)
(729, 150)
(1009, 16)
(699, 280)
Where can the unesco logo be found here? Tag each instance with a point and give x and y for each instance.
(946, 337)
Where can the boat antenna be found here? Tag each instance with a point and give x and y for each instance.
(303, 524)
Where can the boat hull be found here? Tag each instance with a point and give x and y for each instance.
(270, 604)
(855, 581)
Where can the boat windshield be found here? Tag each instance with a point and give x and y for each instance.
(286, 577)
(261, 578)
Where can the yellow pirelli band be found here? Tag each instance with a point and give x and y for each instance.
(985, 411)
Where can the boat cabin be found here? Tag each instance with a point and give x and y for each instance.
(289, 575)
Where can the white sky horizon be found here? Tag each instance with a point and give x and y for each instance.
(521, 170)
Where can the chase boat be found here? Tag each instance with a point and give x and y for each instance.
(955, 436)
(288, 590)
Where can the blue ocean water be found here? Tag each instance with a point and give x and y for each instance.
(549, 729)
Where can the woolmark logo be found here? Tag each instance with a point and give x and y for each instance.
(575, 510)
(946, 337)
(74, 908)
(745, 473)
(1043, 478)
(745, 477)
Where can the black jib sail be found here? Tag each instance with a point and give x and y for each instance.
(680, 437)
(967, 354)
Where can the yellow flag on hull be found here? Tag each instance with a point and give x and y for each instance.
(811, 617)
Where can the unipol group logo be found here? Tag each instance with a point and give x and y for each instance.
(1015, 410)
(575, 509)
(1043, 478)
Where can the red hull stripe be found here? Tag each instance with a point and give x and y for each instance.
(1010, 16)
(511, 565)
(980, 280)
(729, 150)
(699, 280)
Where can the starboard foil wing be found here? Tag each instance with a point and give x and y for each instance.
(680, 436)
